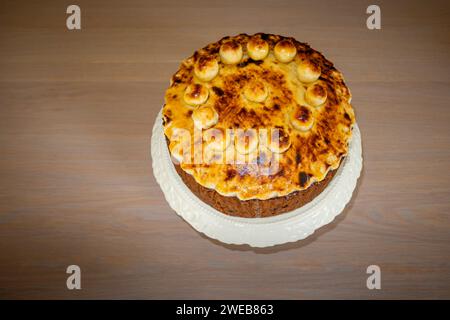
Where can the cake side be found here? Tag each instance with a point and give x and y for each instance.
(254, 208)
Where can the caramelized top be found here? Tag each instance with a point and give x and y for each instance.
(261, 116)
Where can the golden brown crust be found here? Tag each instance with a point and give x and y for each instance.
(305, 98)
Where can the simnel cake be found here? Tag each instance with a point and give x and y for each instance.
(257, 125)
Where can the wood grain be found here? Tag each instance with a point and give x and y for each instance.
(77, 109)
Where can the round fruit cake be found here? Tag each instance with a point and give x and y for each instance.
(257, 125)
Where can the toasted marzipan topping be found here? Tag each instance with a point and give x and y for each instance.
(205, 117)
(206, 68)
(246, 141)
(320, 148)
(257, 48)
(302, 118)
(285, 51)
(307, 71)
(180, 144)
(279, 141)
(256, 91)
(217, 139)
(196, 94)
(316, 94)
(320, 168)
(231, 52)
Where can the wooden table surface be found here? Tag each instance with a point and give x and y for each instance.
(76, 184)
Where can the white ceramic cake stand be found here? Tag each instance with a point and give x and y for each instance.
(256, 232)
